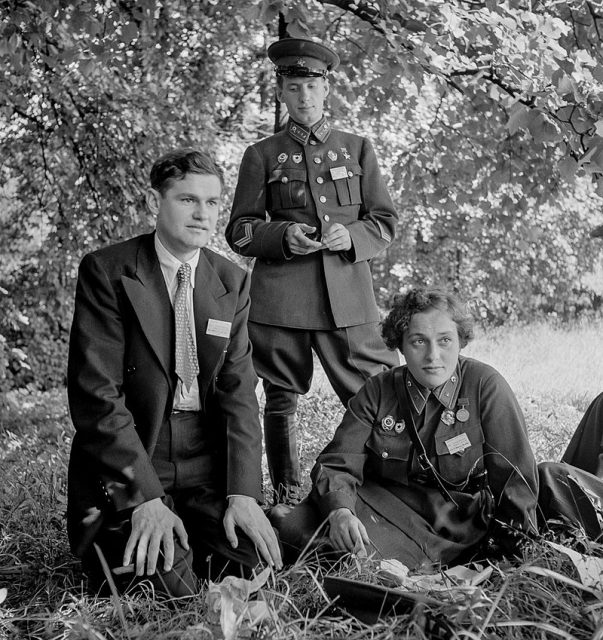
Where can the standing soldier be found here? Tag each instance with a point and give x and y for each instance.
(312, 207)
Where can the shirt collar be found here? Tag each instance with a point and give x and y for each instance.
(445, 393)
(300, 133)
(170, 264)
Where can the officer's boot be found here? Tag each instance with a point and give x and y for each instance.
(281, 451)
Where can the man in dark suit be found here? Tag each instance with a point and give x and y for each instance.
(165, 462)
(313, 209)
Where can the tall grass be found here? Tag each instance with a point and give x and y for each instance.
(555, 374)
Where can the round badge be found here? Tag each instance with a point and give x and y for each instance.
(282, 157)
(388, 423)
(448, 417)
(462, 415)
(296, 157)
(399, 427)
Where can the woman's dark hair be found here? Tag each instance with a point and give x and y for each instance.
(176, 164)
(421, 299)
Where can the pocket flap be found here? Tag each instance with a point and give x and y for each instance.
(289, 173)
(473, 433)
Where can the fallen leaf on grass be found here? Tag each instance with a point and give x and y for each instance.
(590, 568)
(228, 601)
(460, 576)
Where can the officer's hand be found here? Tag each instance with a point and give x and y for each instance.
(299, 244)
(337, 238)
(347, 533)
(245, 512)
(153, 526)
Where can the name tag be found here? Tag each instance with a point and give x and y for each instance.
(458, 444)
(218, 328)
(338, 173)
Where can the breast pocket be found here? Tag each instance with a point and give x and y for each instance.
(347, 184)
(455, 467)
(388, 455)
(288, 188)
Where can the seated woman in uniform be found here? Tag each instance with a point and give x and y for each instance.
(430, 457)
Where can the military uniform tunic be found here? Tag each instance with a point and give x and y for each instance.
(316, 177)
(370, 466)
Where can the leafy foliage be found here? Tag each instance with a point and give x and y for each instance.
(487, 117)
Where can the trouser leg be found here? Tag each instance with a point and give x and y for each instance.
(283, 359)
(585, 449)
(351, 355)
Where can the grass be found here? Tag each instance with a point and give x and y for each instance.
(555, 375)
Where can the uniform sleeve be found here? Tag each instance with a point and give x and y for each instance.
(105, 429)
(235, 390)
(375, 228)
(249, 233)
(339, 469)
(508, 457)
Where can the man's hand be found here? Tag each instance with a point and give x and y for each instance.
(337, 238)
(299, 244)
(153, 526)
(347, 533)
(244, 512)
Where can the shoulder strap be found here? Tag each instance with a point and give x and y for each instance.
(422, 457)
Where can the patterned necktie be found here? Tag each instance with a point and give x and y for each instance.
(187, 365)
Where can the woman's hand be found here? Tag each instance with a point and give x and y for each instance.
(347, 533)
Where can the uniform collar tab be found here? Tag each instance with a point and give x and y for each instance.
(300, 133)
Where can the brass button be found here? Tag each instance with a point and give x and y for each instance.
(312, 141)
(326, 217)
(350, 174)
(317, 160)
(322, 199)
(320, 179)
(384, 454)
(284, 179)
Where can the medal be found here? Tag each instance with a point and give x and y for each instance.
(296, 157)
(332, 155)
(388, 423)
(282, 158)
(448, 417)
(399, 427)
(345, 153)
(462, 415)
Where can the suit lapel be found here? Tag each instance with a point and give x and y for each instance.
(149, 297)
(209, 301)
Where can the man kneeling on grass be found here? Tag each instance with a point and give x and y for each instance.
(432, 458)
(167, 451)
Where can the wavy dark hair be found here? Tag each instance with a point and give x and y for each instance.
(176, 164)
(419, 299)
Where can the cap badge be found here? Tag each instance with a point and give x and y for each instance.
(296, 157)
(300, 62)
(332, 155)
(282, 158)
(388, 423)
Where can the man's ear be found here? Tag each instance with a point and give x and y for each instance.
(279, 93)
(153, 198)
(327, 86)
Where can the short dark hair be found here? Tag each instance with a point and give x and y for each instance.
(419, 299)
(176, 164)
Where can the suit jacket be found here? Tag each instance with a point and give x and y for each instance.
(318, 181)
(121, 379)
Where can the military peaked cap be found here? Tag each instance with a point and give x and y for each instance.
(301, 57)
